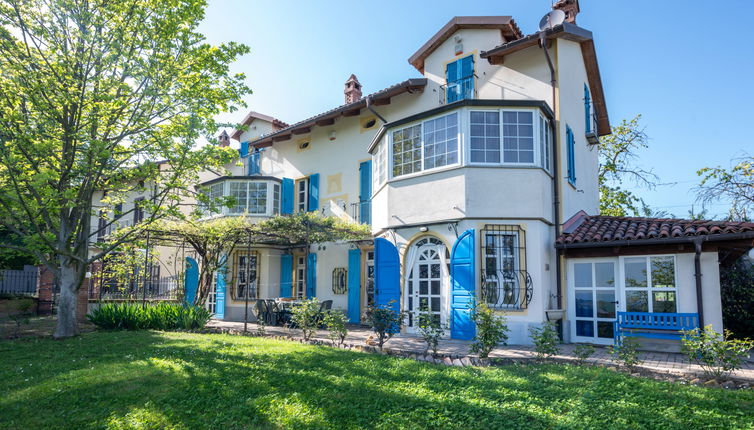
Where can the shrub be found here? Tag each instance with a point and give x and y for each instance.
(22, 313)
(385, 321)
(627, 352)
(737, 295)
(718, 355)
(305, 315)
(583, 351)
(431, 330)
(335, 320)
(162, 316)
(545, 340)
(491, 329)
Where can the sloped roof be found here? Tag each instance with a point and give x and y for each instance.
(574, 33)
(507, 26)
(350, 109)
(251, 116)
(598, 230)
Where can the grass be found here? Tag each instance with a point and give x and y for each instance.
(36, 327)
(156, 380)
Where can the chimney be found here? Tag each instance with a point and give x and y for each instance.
(353, 89)
(570, 7)
(224, 139)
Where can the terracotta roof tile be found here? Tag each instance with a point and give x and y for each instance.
(601, 229)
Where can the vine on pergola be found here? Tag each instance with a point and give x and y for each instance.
(215, 239)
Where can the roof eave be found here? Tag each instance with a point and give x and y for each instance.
(573, 33)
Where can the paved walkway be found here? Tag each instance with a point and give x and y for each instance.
(656, 362)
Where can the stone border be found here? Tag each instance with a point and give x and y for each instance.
(670, 375)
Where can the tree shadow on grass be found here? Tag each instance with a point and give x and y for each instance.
(213, 381)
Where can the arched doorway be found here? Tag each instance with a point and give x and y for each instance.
(427, 280)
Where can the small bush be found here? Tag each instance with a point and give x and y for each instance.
(335, 320)
(627, 352)
(305, 315)
(431, 330)
(161, 316)
(583, 351)
(718, 355)
(491, 329)
(545, 340)
(385, 322)
(22, 313)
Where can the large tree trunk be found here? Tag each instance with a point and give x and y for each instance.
(71, 276)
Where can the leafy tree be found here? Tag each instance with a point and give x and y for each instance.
(103, 95)
(737, 295)
(13, 258)
(618, 155)
(735, 184)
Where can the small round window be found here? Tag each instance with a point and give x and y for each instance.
(370, 123)
(303, 145)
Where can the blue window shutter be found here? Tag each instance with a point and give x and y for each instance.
(387, 278)
(287, 196)
(587, 109)
(191, 281)
(354, 285)
(220, 290)
(462, 287)
(244, 150)
(451, 72)
(286, 275)
(314, 192)
(254, 163)
(365, 192)
(467, 67)
(311, 276)
(571, 148)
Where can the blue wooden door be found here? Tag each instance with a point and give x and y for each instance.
(220, 290)
(387, 278)
(287, 196)
(286, 275)
(354, 285)
(191, 281)
(462, 287)
(311, 276)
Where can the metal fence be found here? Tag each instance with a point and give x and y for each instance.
(19, 281)
(165, 288)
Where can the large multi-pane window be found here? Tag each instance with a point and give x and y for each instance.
(407, 150)
(243, 197)
(302, 195)
(431, 144)
(518, 137)
(246, 276)
(441, 141)
(484, 137)
(650, 284)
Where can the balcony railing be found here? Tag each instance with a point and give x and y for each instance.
(462, 89)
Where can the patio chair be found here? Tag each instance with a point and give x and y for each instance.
(272, 312)
(326, 306)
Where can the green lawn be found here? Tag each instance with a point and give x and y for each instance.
(176, 380)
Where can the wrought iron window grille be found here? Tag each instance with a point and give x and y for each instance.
(506, 284)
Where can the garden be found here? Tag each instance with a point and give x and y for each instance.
(181, 380)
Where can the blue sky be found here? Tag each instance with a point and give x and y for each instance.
(686, 66)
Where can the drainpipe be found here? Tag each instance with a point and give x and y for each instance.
(698, 276)
(371, 109)
(556, 173)
(555, 183)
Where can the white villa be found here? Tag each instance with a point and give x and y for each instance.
(479, 180)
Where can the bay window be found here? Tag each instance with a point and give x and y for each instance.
(484, 137)
(425, 146)
(518, 137)
(243, 197)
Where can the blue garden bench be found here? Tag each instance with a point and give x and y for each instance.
(653, 325)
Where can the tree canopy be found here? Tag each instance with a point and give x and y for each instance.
(618, 165)
(735, 184)
(103, 95)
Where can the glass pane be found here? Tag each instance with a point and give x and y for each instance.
(423, 287)
(663, 302)
(584, 304)
(435, 304)
(663, 272)
(423, 272)
(435, 270)
(636, 272)
(605, 329)
(582, 275)
(605, 304)
(584, 328)
(604, 274)
(637, 301)
(435, 287)
(423, 303)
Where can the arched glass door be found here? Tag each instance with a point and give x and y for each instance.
(427, 282)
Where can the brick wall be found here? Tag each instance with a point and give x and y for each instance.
(46, 294)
